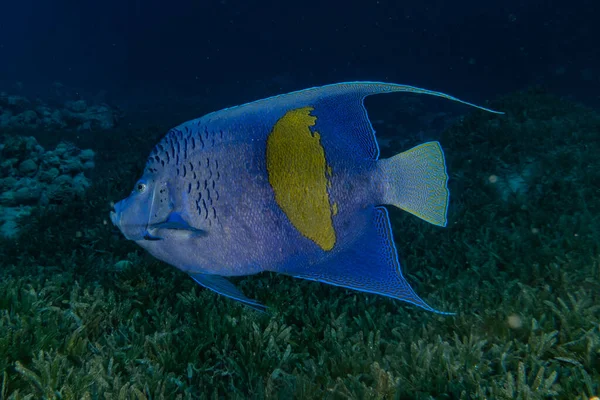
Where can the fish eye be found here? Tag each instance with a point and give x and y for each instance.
(140, 187)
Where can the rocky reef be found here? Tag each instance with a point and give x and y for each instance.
(31, 176)
(18, 112)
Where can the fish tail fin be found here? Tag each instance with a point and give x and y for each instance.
(416, 181)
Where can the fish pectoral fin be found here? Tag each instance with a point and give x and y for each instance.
(151, 237)
(222, 286)
(176, 222)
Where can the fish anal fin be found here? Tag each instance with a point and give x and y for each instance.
(371, 265)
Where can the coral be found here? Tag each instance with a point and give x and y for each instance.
(99, 117)
(17, 112)
(31, 176)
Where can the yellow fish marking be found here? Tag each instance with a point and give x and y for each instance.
(298, 174)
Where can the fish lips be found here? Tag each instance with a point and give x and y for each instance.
(116, 216)
(134, 232)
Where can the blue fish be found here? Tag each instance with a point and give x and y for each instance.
(290, 184)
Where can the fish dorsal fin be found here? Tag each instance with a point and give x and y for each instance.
(339, 114)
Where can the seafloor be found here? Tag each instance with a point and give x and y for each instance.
(85, 314)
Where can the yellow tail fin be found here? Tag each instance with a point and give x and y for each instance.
(416, 181)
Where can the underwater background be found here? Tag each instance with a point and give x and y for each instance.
(87, 89)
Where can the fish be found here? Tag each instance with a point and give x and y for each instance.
(291, 184)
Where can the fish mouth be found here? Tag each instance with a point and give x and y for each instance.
(115, 218)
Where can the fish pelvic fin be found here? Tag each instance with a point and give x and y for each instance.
(416, 181)
(222, 286)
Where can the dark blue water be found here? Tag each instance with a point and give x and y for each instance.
(152, 49)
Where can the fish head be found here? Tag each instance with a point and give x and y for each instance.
(148, 204)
